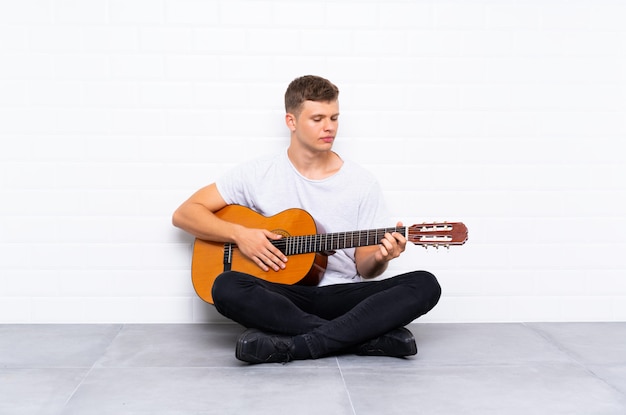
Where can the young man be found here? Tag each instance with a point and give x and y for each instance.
(344, 313)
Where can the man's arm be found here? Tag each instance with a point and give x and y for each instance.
(372, 261)
(197, 216)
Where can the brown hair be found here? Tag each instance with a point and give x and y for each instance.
(309, 88)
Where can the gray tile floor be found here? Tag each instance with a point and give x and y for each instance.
(539, 368)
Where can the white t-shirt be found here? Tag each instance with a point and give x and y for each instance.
(349, 200)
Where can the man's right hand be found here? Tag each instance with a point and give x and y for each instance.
(256, 245)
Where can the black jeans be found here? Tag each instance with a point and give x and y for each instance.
(331, 318)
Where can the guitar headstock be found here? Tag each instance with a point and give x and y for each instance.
(438, 234)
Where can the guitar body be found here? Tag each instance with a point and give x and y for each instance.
(209, 257)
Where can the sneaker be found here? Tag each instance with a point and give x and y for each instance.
(255, 346)
(396, 343)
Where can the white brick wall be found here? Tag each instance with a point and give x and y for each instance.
(507, 115)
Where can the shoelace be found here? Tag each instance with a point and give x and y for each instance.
(283, 352)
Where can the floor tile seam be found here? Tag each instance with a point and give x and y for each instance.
(501, 365)
(570, 354)
(556, 344)
(602, 379)
(271, 366)
(108, 346)
(45, 367)
(93, 365)
(118, 367)
(345, 386)
(564, 349)
(587, 367)
(78, 385)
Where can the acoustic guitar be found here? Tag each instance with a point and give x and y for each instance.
(307, 250)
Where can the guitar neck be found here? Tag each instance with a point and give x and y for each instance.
(294, 245)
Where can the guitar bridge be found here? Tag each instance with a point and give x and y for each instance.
(228, 256)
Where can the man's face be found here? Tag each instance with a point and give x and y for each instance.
(316, 125)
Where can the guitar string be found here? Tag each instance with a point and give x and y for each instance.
(300, 244)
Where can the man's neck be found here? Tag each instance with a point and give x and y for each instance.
(315, 166)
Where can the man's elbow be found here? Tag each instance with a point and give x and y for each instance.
(176, 218)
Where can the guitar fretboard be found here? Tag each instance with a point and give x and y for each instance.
(294, 245)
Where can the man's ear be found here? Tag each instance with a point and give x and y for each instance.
(290, 120)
